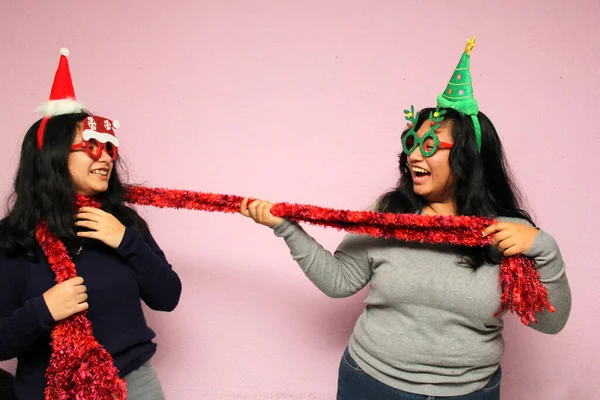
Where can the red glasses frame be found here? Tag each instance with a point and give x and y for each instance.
(87, 145)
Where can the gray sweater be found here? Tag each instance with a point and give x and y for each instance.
(428, 324)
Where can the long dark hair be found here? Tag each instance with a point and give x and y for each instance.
(43, 189)
(483, 182)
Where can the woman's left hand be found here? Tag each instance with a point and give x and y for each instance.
(104, 226)
(511, 238)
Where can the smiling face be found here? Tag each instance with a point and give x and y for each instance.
(432, 177)
(90, 177)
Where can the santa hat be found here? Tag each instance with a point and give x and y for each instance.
(62, 95)
(63, 101)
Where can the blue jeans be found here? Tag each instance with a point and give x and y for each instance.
(355, 384)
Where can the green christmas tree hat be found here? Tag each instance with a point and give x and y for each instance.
(459, 92)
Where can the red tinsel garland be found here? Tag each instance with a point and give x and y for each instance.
(80, 368)
(522, 291)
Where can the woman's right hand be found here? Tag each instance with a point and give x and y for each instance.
(260, 212)
(66, 298)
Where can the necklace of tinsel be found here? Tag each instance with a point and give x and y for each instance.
(80, 368)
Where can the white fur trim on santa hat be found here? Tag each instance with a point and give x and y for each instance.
(59, 107)
(65, 52)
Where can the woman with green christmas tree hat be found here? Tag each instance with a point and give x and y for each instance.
(431, 326)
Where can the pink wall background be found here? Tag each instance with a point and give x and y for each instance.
(302, 102)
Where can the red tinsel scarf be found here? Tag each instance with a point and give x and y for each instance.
(80, 368)
(522, 291)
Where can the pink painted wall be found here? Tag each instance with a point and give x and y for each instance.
(302, 101)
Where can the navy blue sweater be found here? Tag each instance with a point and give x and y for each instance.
(116, 281)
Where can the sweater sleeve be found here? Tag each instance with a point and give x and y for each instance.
(160, 286)
(552, 270)
(20, 324)
(341, 274)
